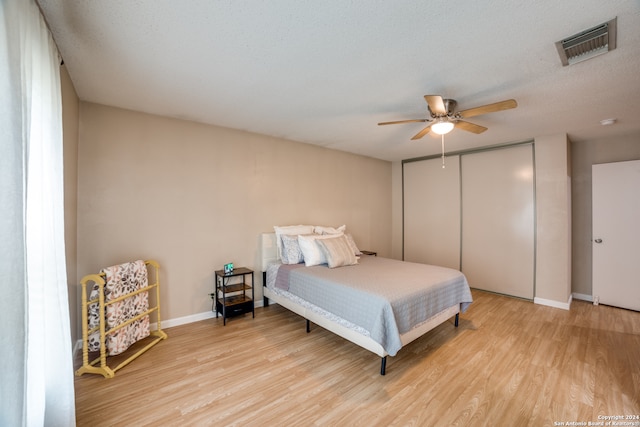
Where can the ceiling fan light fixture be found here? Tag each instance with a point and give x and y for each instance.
(442, 127)
(443, 118)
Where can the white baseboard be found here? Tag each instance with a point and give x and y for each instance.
(194, 318)
(582, 297)
(184, 320)
(553, 303)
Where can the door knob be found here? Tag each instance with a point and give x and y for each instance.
(598, 240)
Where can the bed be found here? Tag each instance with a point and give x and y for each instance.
(377, 303)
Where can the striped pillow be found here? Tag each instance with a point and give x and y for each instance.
(337, 251)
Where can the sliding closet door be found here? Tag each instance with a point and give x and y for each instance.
(498, 220)
(431, 197)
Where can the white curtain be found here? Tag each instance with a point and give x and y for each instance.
(35, 350)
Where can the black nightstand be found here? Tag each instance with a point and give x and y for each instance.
(369, 253)
(233, 294)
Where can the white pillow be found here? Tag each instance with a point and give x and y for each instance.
(289, 229)
(337, 251)
(291, 253)
(319, 229)
(311, 251)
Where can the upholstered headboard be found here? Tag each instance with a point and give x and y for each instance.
(268, 250)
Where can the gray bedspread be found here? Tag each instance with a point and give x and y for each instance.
(384, 296)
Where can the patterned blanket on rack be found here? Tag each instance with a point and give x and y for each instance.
(121, 280)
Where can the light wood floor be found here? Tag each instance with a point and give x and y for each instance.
(510, 362)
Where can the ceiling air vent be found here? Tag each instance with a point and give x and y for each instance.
(587, 44)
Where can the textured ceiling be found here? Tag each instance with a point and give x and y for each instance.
(326, 72)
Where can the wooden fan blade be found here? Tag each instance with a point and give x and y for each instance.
(403, 121)
(489, 108)
(422, 133)
(470, 127)
(436, 104)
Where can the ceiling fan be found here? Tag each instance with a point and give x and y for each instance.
(443, 117)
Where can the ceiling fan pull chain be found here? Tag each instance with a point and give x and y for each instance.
(442, 150)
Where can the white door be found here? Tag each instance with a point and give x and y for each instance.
(498, 221)
(431, 198)
(616, 234)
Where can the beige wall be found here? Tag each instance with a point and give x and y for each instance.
(583, 156)
(70, 109)
(553, 221)
(397, 214)
(194, 196)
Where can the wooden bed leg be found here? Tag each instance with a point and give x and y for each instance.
(308, 326)
(383, 365)
(457, 319)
